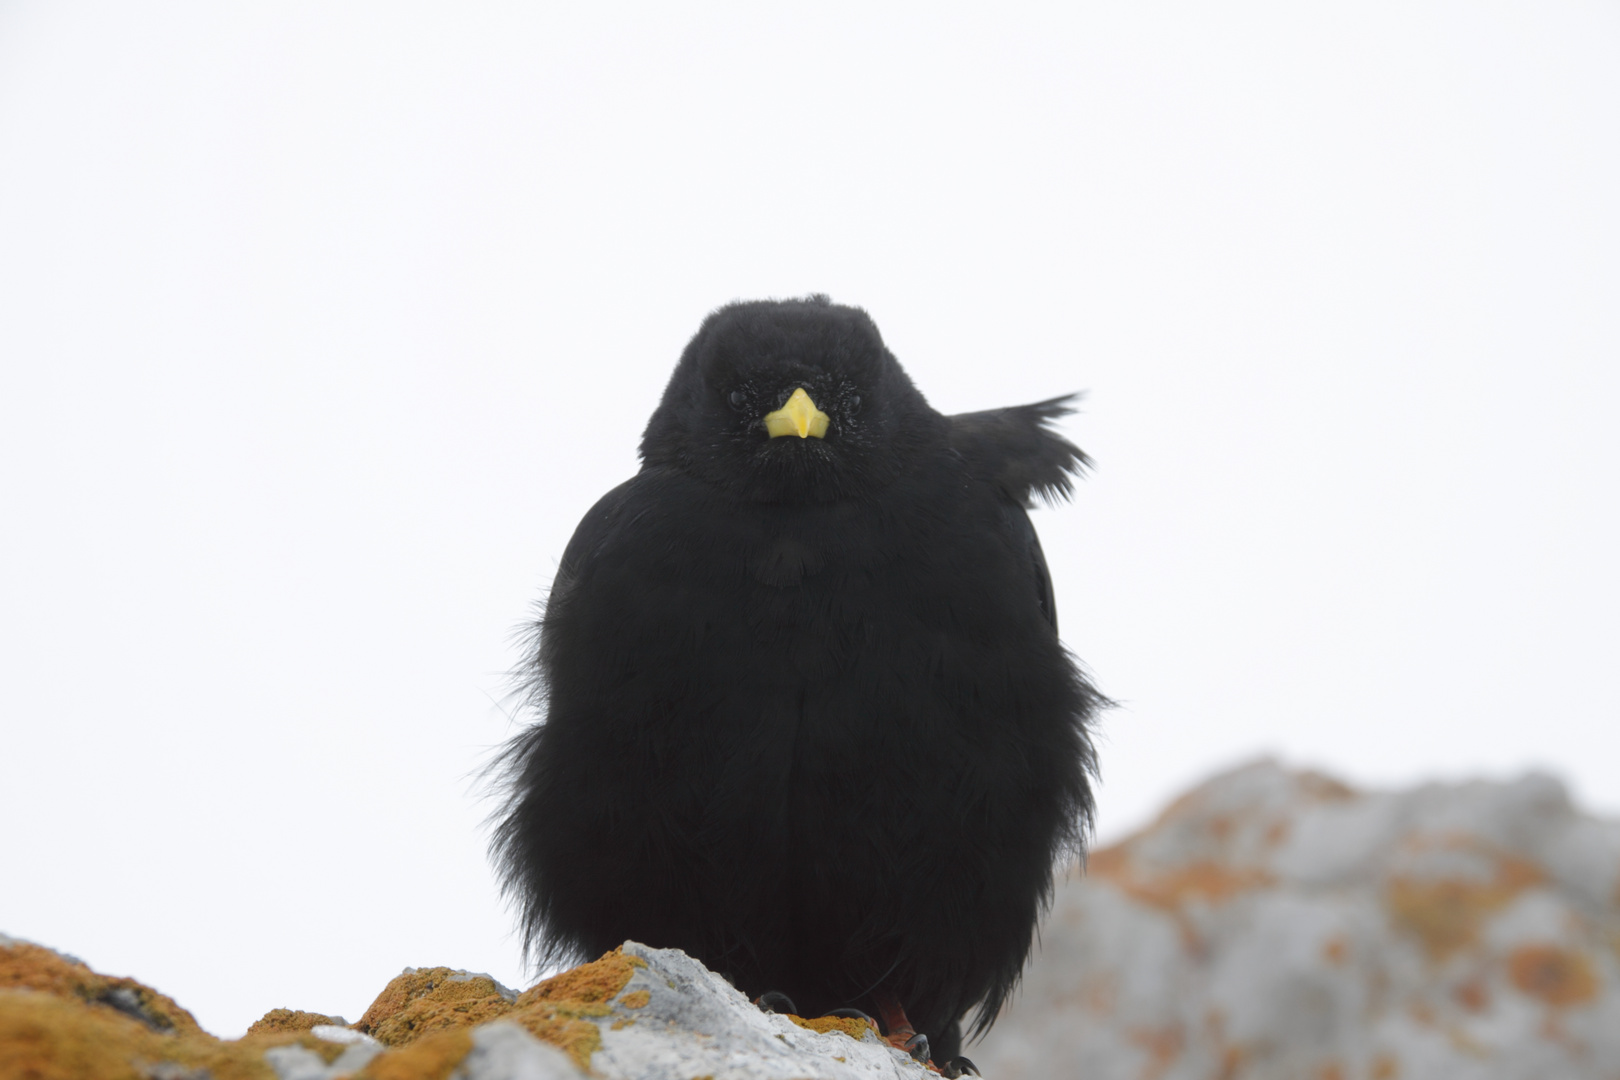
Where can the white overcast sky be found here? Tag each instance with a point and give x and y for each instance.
(321, 326)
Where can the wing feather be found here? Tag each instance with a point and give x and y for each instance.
(1017, 450)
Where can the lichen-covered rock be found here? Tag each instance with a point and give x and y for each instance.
(504, 1051)
(341, 1053)
(420, 1000)
(26, 966)
(1278, 924)
(59, 1020)
(647, 1014)
(280, 1020)
(674, 1020)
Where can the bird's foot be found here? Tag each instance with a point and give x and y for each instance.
(900, 1033)
(916, 1046)
(774, 1001)
(959, 1066)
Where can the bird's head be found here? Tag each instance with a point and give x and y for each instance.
(790, 401)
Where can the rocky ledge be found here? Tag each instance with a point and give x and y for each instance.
(635, 1013)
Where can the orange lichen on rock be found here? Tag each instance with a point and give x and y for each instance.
(1163, 1046)
(1558, 977)
(560, 1010)
(1473, 995)
(61, 1021)
(48, 1036)
(636, 999)
(291, 1020)
(1446, 913)
(24, 966)
(1314, 786)
(595, 983)
(578, 1038)
(1321, 787)
(1234, 1059)
(852, 1026)
(1109, 862)
(1173, 887)
(433, 1056)
(423, 1000)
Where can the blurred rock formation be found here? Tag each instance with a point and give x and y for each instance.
(1275, 924)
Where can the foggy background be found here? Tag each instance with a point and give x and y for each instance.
(320, 328)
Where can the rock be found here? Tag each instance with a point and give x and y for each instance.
(680, 1020)
(26, 966)
(649, 1014)
(1270, 924)
(1279, 924)
(61, 1021)
(295, 1062)
(277, 1020)
(502, 1050)
(420, 1000)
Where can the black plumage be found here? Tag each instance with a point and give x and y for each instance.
(806, 714)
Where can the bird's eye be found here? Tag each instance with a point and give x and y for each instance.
(854, 401)
(737, 398)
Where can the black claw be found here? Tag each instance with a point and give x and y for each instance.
(774, 1001)
(917, 1047)
(957, 1067)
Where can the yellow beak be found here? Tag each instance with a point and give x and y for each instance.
(798, 417)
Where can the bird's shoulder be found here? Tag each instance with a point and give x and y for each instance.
(1016, 451)
(656, 516)
(597, 524)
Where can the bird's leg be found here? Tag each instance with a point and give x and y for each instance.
(901, 1034)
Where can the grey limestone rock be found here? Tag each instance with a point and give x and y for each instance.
(1277, 924)
(298, 1063)
(503, 1051)
(694, 1023)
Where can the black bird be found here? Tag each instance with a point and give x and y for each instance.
(806, 714)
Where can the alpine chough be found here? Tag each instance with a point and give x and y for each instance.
(806, 714)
